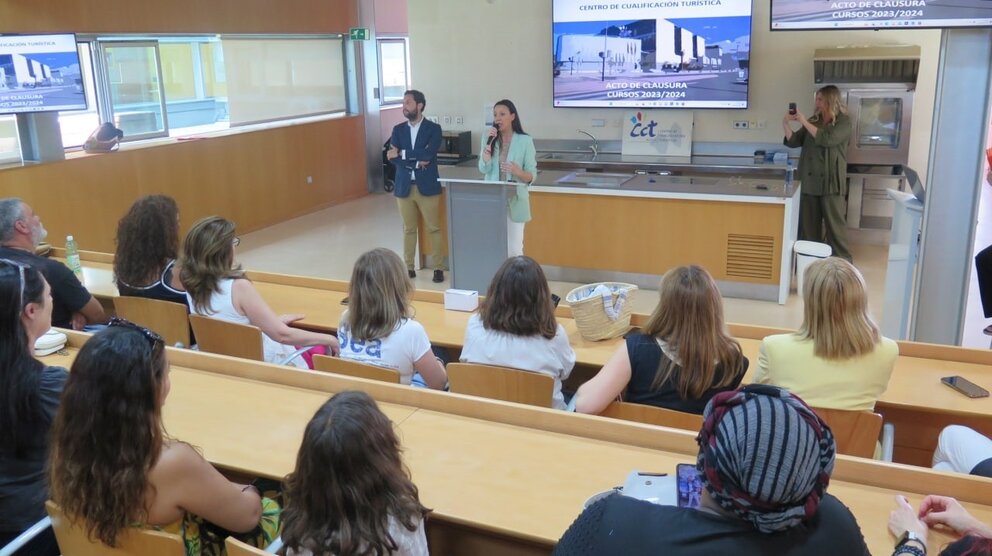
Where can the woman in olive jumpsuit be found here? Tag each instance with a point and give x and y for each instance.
(823, 169)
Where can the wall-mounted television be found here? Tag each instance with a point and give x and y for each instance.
(879, 14)
(40, 73)
(664, 54)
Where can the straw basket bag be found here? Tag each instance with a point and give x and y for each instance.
(598, 316)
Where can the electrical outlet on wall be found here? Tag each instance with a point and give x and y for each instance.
(446, 120)
(432, 118)
(459, 120)
(740, 124)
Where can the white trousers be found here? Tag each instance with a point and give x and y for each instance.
(514, 238)
(960, 449)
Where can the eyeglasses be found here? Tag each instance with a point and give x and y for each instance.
(236, 241)
(20, 271)
(155, 341)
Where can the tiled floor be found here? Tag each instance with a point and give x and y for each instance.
(327, 243)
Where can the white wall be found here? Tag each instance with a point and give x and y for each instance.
(466, 54)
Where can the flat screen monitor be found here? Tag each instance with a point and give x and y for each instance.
(669, 54)
(40, 73)
(879, 14)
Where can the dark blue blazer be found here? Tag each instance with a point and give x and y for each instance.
(428, 143)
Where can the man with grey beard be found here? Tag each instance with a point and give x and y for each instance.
(20, 233)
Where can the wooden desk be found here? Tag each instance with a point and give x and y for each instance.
(502, 478)
(916, 402)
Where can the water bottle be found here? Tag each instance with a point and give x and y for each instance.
(72, 257)
(790, 174)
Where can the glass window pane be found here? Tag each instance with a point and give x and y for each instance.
(189, 88)
(10, 149)
(135, 95)
(177, 71)
(271, 79)
(78, 124)
(392, 61)
(878, 122)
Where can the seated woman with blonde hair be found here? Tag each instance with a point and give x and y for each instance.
(378, 327)
(837, 359)
(682, 358)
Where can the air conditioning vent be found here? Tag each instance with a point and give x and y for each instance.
(751, 257)
(865, 71)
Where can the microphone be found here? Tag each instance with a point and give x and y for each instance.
(493, 138)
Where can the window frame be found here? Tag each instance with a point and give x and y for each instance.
(405, 41)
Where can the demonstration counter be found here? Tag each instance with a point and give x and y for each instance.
(592, 226)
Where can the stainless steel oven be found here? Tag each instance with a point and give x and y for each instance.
(880, 121)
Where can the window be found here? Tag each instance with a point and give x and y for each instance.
(78, 124)
(152, 86)
(271, 79)
(10, 148)
(394, 74)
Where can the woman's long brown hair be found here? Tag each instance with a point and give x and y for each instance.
(689, 318)
(108, 432)
(519, 301)
(348, 483)
(208, 257)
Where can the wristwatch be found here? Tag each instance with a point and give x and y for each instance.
(903, 548)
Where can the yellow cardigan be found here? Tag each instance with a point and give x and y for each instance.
(854, 384)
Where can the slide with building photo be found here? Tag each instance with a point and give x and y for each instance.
(874, 14)
(671, 54)
(40, 73)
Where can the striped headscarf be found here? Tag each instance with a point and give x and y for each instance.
(764, 456)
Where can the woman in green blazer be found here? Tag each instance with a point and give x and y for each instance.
(823, 169)
(510, 157)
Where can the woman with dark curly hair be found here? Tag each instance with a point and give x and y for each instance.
(516, 327)
(147, 247)
(29, 398)
(350, 494)
(116, 468)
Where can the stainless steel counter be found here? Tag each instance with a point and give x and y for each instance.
(584, 179)
(699, 165)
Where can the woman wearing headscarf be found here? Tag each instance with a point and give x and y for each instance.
(765, 461)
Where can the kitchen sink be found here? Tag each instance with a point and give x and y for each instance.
(595, 179)
(567, 156)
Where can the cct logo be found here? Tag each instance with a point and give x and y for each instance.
(640, 129)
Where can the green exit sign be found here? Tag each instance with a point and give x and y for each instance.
(359, 33)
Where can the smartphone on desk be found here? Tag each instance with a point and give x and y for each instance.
(965, 386)
(690, 485)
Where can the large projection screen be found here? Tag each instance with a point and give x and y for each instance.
(40, 73)
(879, 14)
(664, 54)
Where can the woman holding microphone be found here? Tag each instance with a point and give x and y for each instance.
(508, 155)
(822, 168)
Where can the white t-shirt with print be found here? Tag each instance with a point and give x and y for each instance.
(408, 543)
(406, 344)
(553, 357)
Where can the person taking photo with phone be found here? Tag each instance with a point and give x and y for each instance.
(822, 169)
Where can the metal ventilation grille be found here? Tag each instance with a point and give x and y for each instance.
(866, 71)
(750, 256)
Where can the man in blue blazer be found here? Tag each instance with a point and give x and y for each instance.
(413, 149)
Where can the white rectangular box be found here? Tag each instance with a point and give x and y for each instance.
(461, 300)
